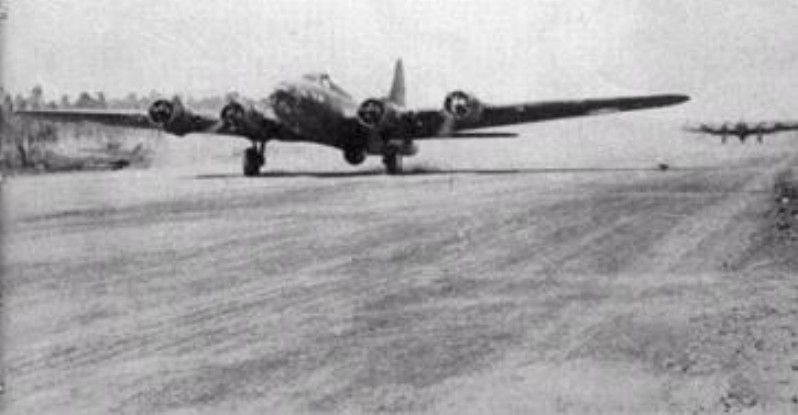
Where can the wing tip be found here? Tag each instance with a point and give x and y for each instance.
(664, 100)
(677, 98)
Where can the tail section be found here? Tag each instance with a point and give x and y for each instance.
(397, 94)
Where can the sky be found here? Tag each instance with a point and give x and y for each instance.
(736, 58)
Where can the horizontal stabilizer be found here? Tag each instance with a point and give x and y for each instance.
(486, 134)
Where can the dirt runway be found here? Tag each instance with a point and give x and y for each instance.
(603, 289)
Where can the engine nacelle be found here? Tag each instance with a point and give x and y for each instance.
(463, 106)
(246, 121)
(378, 114)
(172, 116)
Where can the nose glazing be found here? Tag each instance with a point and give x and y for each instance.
(284, 101)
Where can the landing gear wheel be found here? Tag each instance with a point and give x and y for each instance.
(354, 156)
(393, 163)
(253, 161)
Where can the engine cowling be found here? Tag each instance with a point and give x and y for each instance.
(463, 106)
(172, 116)
(377, 114)
(392, 127)
(242, 120)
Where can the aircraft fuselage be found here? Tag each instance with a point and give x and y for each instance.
(313, 111)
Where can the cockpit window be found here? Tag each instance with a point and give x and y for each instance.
(325, 81)
(318, 78)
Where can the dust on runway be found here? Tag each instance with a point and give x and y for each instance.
(603, 289)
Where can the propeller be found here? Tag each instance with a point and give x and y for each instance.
(457, 104)
(161, 111)
(371, 112)
(232, 115)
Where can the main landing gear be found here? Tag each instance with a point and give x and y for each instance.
(393, 162)
(354, 156)
(254, 159)
(391, 158)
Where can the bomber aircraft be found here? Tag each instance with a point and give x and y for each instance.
(743, 130)
(315, 109)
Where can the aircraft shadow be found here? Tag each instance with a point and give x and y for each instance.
(442, 172)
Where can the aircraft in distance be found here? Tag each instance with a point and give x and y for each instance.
(743, 130)
(315, 109)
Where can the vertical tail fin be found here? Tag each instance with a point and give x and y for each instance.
(397, 94)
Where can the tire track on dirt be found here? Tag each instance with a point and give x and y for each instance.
(685, 238)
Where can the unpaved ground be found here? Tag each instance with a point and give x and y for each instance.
(579, 290)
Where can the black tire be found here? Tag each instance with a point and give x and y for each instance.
(253, 161)
(354, 156)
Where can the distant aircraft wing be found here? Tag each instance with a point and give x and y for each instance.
(785, 126)
(704, 129)
(445, 124)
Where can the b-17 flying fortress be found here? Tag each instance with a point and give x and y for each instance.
(315, 109)
(743, 130)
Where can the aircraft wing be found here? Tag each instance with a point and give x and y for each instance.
(170, 116)
(121, 118)
(443, 124)
(183, 123)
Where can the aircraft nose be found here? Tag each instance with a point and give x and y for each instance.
(284, 100)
